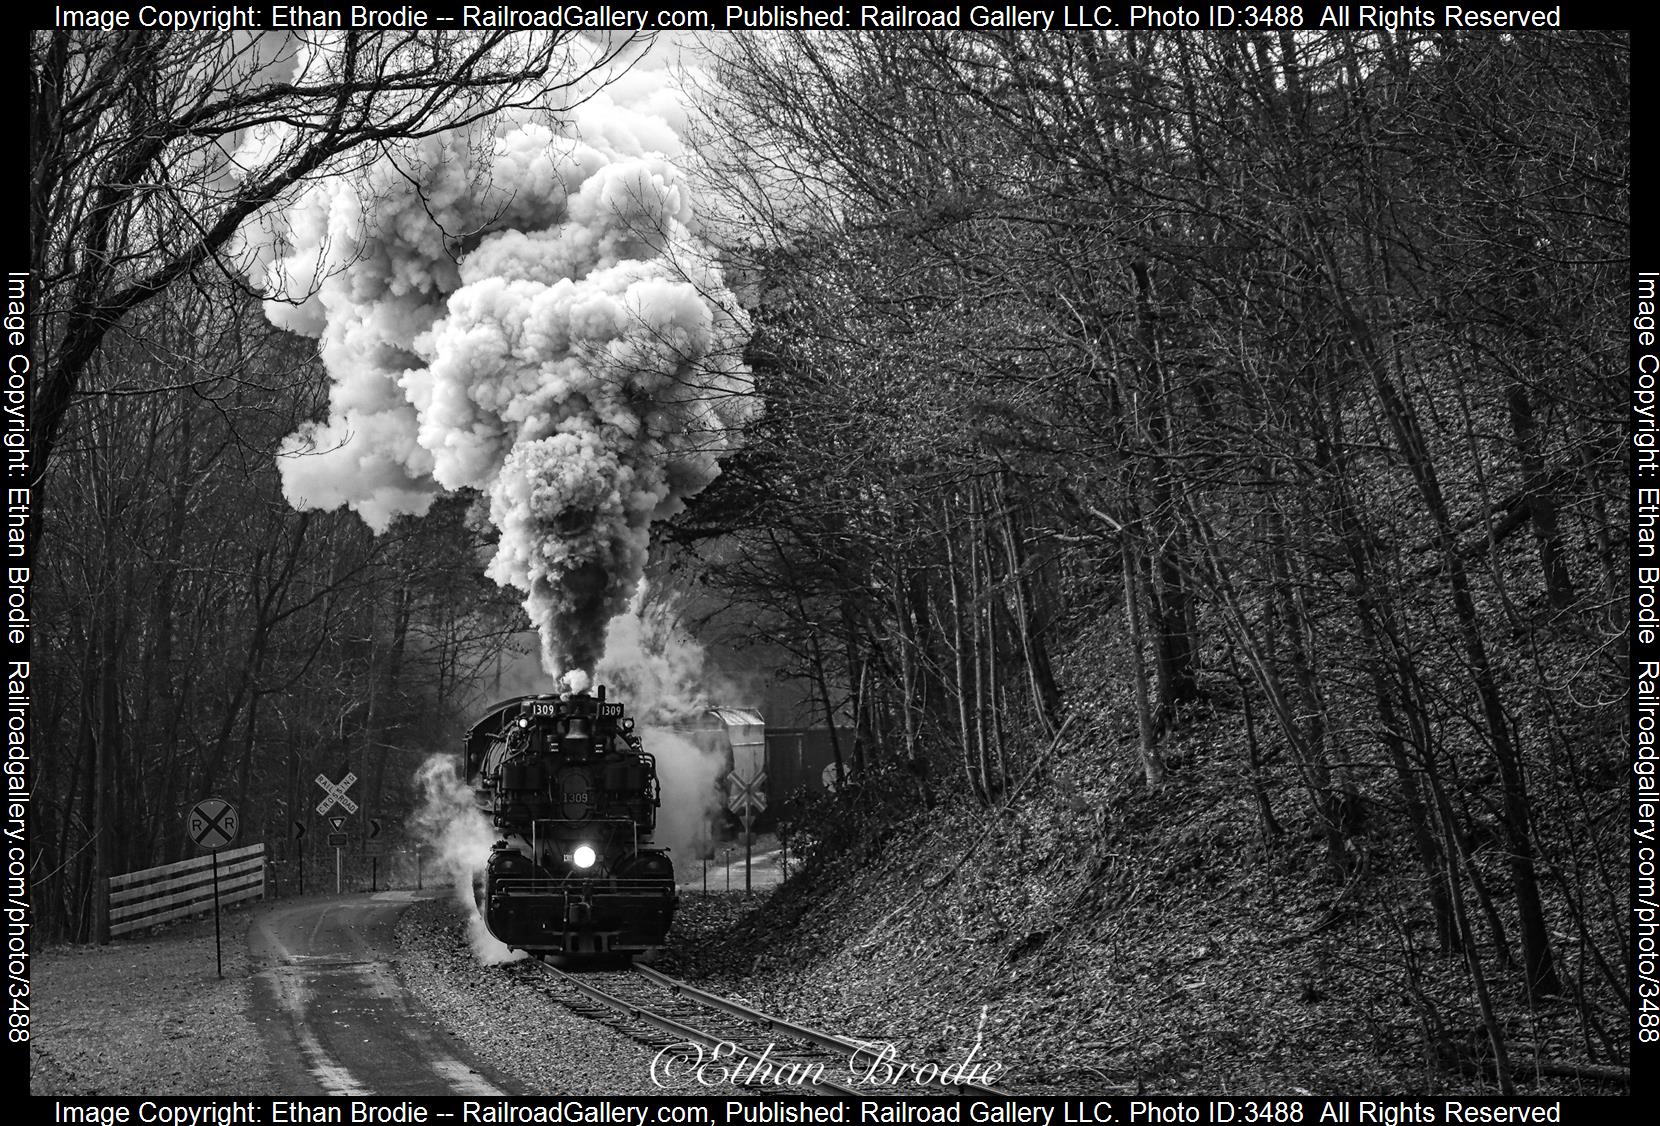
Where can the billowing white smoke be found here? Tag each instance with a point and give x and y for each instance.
(527, 310)
(653, 665)
(689, 776)
(657, 670)
(450, 822)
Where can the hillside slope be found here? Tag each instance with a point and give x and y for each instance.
(1098, 937)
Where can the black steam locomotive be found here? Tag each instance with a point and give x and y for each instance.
(575, 796)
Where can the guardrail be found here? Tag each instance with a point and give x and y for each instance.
(172, 891)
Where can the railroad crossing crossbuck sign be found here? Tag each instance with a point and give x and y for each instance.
(212, 823)
(746, 794)
(336, 793)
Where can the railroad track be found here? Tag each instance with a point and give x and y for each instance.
(749, 1048)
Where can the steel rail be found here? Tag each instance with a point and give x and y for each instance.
(675, 1028)
(846, 1047)
(734, 1008)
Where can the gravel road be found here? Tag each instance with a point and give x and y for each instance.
(150, 1016)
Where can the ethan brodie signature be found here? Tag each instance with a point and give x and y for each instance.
(873, 1065)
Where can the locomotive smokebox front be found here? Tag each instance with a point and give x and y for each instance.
(575, 796)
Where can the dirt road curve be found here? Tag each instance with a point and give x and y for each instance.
(334, 1014)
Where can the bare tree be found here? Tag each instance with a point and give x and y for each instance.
(150, 150)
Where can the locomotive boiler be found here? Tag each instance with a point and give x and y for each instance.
(574, 794)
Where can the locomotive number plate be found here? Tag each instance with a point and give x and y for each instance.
(610, 710)
(575, 794)
(538, 708)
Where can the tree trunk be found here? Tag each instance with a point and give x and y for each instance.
(1286, 600)
(1028, 621)
(1541, 969)
(965, 727)
(105, 854)
(1271, 829)
(1541, 501)
(1152, 763)
(1177, 678)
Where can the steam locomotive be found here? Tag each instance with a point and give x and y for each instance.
(575, 796)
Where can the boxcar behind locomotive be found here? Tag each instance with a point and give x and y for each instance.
(574, 795)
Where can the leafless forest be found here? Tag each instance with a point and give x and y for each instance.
(1106, 382)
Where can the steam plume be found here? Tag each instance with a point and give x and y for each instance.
(651, 662)
(689, 775)
(525, 309)
(450, 821)
(660, 675)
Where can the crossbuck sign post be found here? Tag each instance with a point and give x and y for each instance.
(334, 794)
(212, 823)
(748, 798)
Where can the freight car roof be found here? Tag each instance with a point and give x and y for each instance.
(739, 717)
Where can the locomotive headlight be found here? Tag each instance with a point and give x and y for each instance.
(583, 857)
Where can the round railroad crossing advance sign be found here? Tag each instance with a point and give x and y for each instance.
(212, 823)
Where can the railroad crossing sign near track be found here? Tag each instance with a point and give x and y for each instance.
(746, 794)
(212, 823)
(336, 793)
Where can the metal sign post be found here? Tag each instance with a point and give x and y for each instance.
(218, 946)
(212, 823)
(748, 798)
(374, 861)
(299, 855)
(335, 794)
(338, 839)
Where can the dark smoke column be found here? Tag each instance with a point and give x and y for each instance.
(528, 311)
